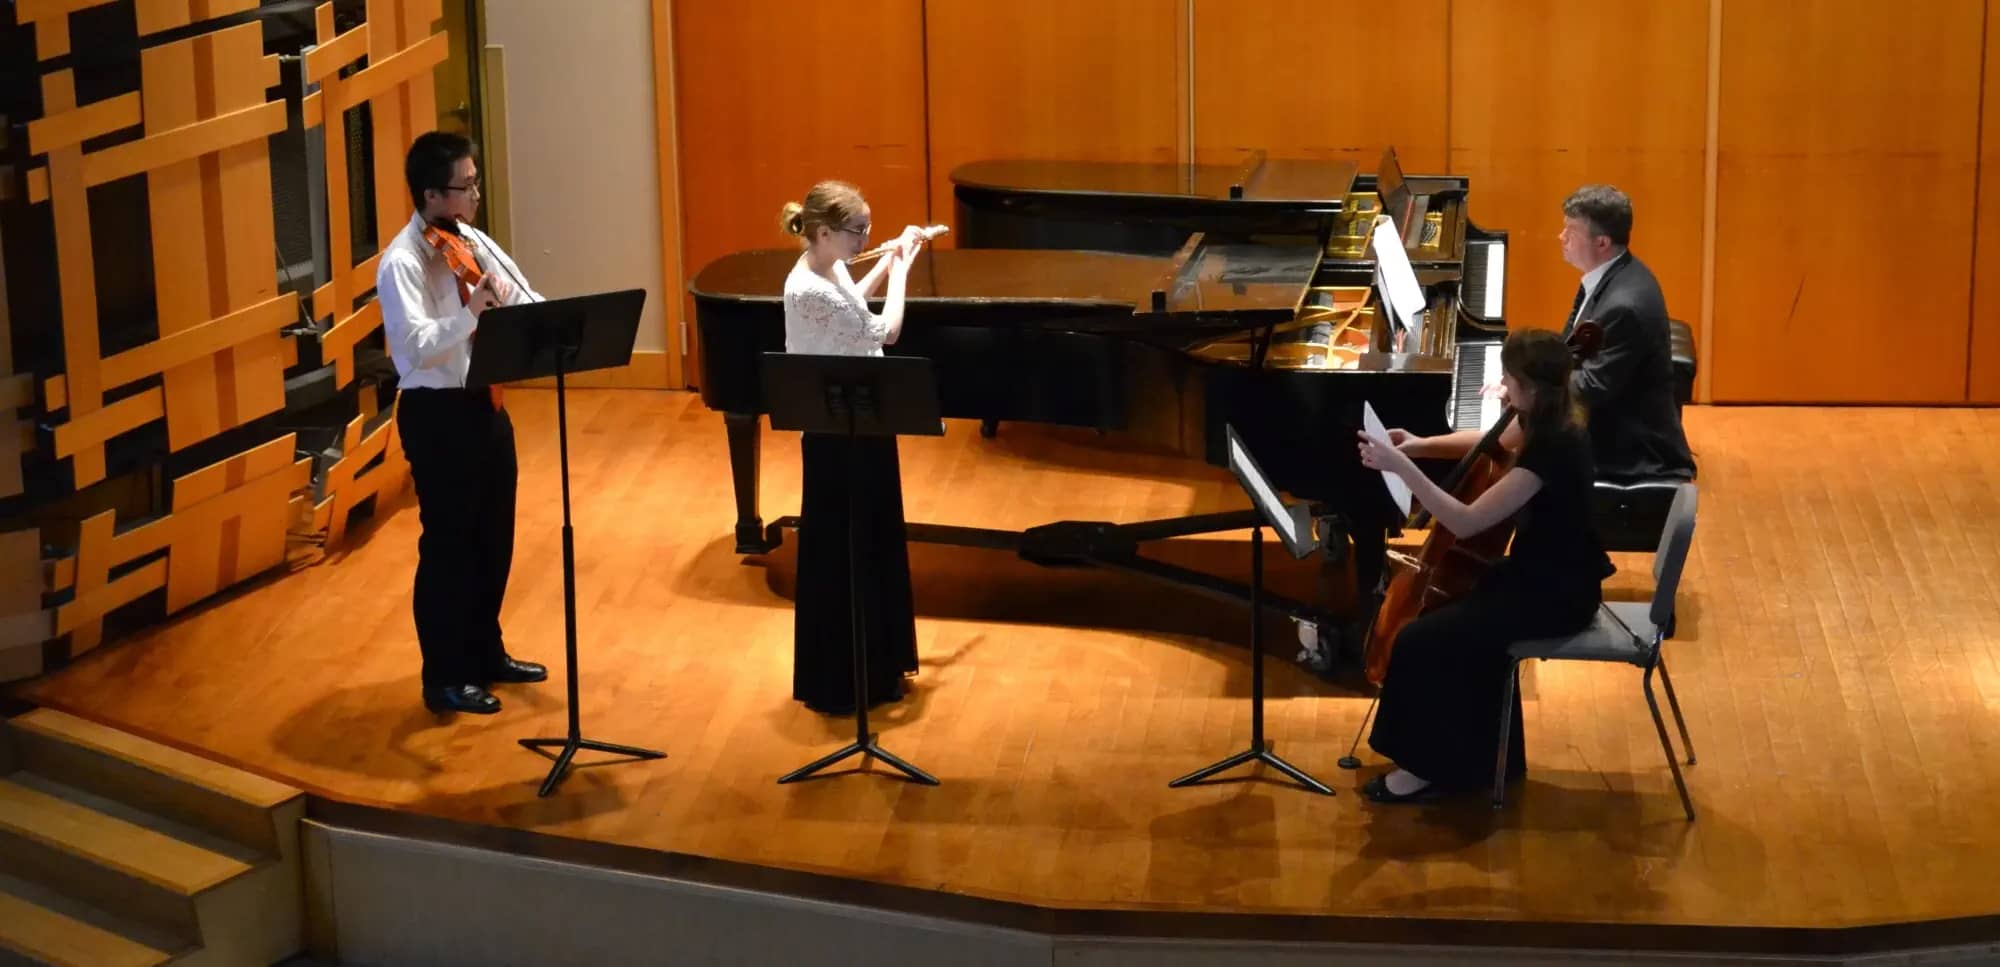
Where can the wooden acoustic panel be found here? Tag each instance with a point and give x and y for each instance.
(345, 483)
(1983, 376)
(212, 231)
(770, 104)
(17, 392)
(673, 305)
(24, 622)
(1055, 80)
(1550, 95)
(1321, 79)
(205, 158)
(397, 87)
(775, 95)
(1844, 206)
(203, 150)
(228, 522)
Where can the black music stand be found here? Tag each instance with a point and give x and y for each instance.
(555, 338)
(1294, 526)
(854, 396)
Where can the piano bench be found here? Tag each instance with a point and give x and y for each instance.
(1680, 337)
(1630, 516)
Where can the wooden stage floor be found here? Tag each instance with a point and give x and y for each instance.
(1838, 662)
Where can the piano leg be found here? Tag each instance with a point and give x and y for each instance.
(745, 437)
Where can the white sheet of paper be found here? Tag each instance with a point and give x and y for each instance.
(1397, 280)
(1273, 507)
(1372, 425)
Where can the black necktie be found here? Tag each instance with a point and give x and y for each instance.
(1574, 305)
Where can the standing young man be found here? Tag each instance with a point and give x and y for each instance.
(459, 440)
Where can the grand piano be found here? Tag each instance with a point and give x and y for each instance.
(1153, 208)
(1283, 334)
(1148, 208)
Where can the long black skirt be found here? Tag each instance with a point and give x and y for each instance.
(822, 638)
(1439, 715)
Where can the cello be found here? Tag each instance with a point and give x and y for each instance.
(1449, 566)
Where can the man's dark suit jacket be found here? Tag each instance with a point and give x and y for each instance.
(1628, 387)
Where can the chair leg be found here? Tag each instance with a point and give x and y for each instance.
(1675, 704)
(1506, 728)
(1660, 725)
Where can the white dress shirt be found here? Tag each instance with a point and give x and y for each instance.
(1590, 281)
(429, 331)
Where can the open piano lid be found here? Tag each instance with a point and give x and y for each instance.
(1234, 285)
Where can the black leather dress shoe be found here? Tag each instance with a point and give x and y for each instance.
(511, 671)
(460, 698)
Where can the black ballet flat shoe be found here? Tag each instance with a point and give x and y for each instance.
(1377, 790)
(460, 698)
(513, 671)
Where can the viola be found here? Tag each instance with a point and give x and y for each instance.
(1448, 567)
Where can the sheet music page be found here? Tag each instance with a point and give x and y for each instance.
(1399, 490)
(1273, 508)
(1397, 280)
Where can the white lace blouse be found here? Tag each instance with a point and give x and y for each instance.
(827, 318)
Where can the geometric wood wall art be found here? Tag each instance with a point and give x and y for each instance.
(345, 484)
(202, 114)
(228, 523)
(397, 86)
(24, 623)
(204, 154)
(17, 393)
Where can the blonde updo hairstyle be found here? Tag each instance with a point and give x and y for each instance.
(830, 204)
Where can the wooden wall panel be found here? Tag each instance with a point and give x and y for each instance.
(1549, 95)
(1053, 79)
(1311, 79)
(778, 94)
(667, 135)
(1984, 369)
(1844, 203)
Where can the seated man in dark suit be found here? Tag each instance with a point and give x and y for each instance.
(1628, 387)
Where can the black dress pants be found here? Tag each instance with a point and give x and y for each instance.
(461, 452)
(823, 639)
(1439, 715)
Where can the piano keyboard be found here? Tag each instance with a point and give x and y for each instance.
(1485, 281)
(1478, 366)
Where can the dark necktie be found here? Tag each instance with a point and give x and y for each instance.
(1574, 305)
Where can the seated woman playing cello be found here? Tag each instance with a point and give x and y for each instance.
(1437, 719)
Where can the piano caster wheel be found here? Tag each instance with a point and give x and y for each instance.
(989, 428)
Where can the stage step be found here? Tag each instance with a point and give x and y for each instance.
(166, 781)
(41, 926)
(114, 830)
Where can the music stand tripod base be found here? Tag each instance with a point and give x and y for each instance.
(1257, 753)
(854, 397)
(1294, 529)
(556, 338)
(866, 748)
(570, 745)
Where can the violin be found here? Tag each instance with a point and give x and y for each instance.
(1448, 566)
(465, 267)
(458, 256)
